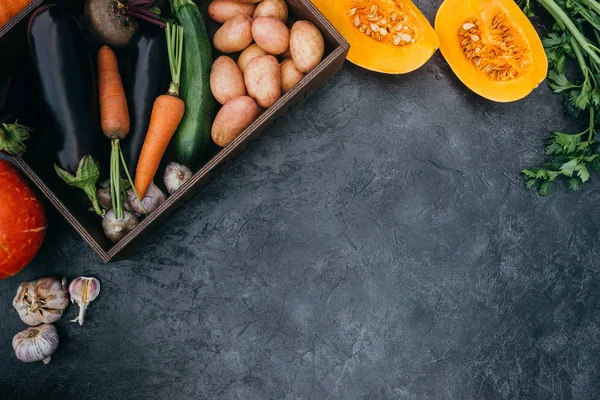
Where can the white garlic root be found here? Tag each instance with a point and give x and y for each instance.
(175, 176)
(83, 290)
(36, 343)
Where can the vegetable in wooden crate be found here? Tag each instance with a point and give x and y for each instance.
(167, 113)
(223, 10)
(192, 140)
(113, 22)
(22, 221)
(115, 123)
(492, 47)
(147, 77)
(64, 71)
(389, 36)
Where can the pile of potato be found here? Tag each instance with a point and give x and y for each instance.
(258, 29)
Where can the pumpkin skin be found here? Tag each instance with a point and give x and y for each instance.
(22, 221)
(524, 65)
(382, 56)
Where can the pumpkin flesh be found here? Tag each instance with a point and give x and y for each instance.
(492, 47)
(388, 36)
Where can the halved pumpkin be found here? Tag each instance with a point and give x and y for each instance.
(389, 36)
(492, 47)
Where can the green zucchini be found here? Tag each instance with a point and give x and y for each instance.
(193, 138)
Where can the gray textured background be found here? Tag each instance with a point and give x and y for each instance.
(377, 244)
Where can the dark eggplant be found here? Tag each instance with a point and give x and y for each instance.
(146, 78)
(65, 75)
(67, 85)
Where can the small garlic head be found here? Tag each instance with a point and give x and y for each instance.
(36, 343)
(175, 176)
(42, 301)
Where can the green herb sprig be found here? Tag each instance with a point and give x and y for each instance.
(574, 39)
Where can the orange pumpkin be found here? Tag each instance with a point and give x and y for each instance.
(22, 221)
(389, 36)
(492, 47)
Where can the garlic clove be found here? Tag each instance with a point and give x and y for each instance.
(41, 301)
(83, 290)
(36, 343)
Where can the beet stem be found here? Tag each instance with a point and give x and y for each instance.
(146, 18)
(139, 3)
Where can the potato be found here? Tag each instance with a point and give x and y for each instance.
(290, 75)
(271, 35)
(223, 10)
(231, 120)
(226, 80)
(306, 45)
(263, 80)
(248, 1)
(249, 54)
(272, 8)
(235, 35)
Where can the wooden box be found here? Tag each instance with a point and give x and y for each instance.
(89, 225)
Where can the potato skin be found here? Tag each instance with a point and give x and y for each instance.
(249, 54)
(235, 35)
(226, 80)
(307, 46)
(231, 120)
(263, 80)
(223, 10)
(272, 8)
(290, 75)
(271, 35)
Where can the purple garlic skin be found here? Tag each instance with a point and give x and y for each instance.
(153, 199)
(42, 301)
(83, 290)
(36, 343)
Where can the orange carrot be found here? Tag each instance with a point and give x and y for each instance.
(114, 116)
(167, 113)
(113, 103)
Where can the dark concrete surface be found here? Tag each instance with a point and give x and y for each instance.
(378, 244)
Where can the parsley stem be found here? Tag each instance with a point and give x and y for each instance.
(593, 4)
(566, 23)
(592, 124)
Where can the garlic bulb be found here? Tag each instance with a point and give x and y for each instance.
(36, 343)
(175, 176)
(103, 194)
(42, 301)
(153, 199)
(115, 229)
(83, 291)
